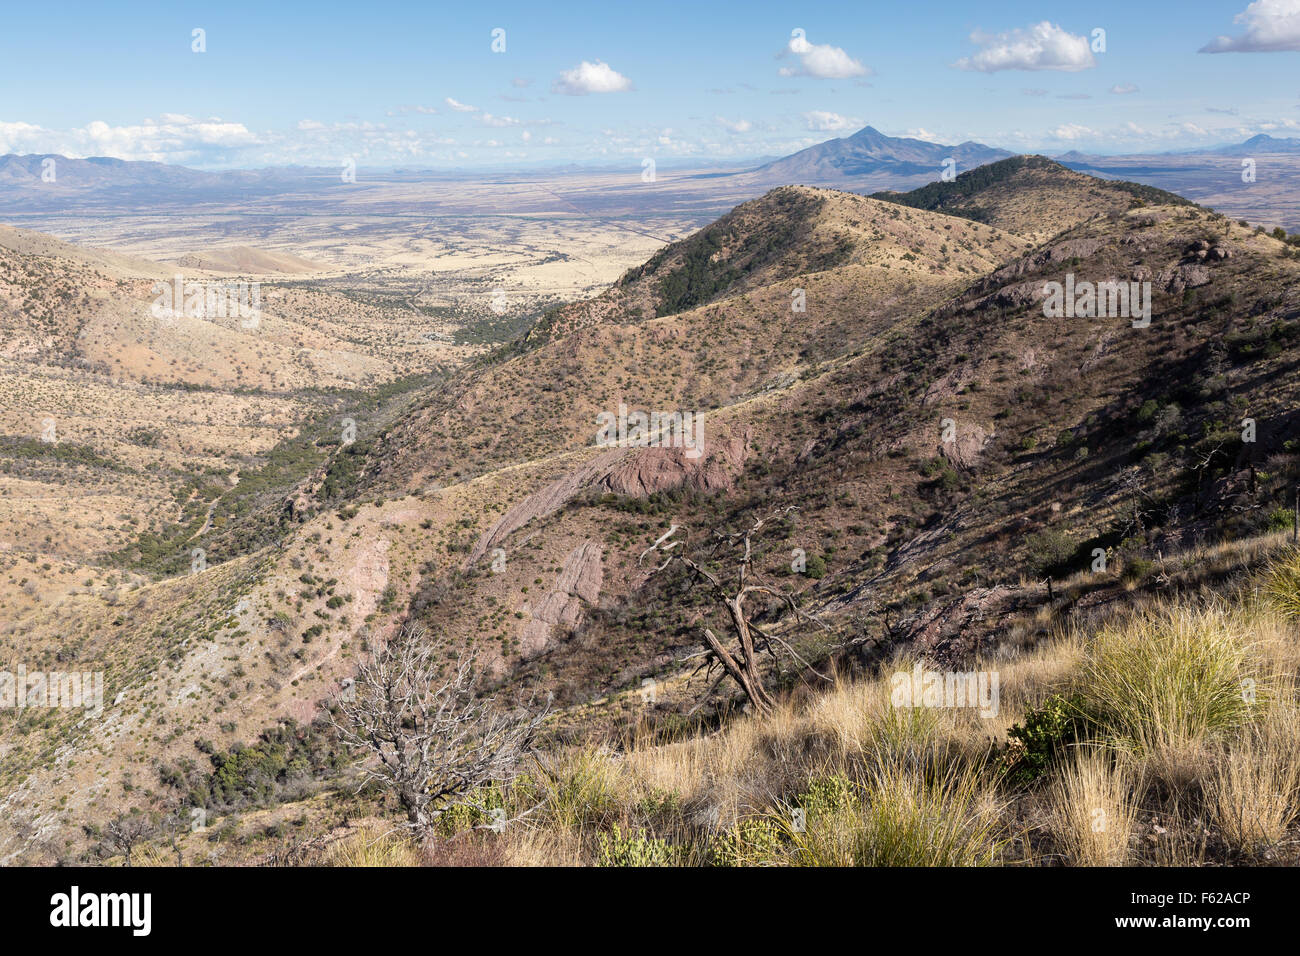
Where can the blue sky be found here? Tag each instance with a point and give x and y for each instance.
(419, 83)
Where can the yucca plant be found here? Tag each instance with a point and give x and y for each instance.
(1282, 583)
(1170, 679)
(901, 815)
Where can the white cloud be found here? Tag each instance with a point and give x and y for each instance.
(598, 77)
(821, 59)
(461, 107)
(1271, 26)
(1123, 88)
(1073, 131)
(175, 139)
(735, 126)
(825, 121)
(490, 120)
(1043, 46)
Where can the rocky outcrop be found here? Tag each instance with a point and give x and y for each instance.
(1057, 254)
(638, 472)
(1202, 251)
(562, 608)
(647, 470)
(967, 445)
(1180, 277)
(953, 631)
(545, 502)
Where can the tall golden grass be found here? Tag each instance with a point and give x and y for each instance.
(1190, 747)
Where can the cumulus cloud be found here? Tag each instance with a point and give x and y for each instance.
(460, 107)
(1271, 26)
(598, 77)
(175, 138)
(825, 121)
(490, 120)
(735, 126)
(820, 59)
(1123, 88)
(1073, 131)
(1043, 46)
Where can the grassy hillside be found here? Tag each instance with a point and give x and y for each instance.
(953, 478)
(1168, 734)
(1029, 195)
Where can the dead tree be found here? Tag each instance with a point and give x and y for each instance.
(121, 834)
(738, 657)
(434, 739)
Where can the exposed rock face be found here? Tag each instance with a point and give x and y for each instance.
(639, 472)
(967, 445)
(1053, 255)
(1182, 277)
(1201, 251)
(647, 470)
(1009, 297)
(562, 607)
(545, 502)
(945, 633)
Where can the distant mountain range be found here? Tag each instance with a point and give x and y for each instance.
(867, 161)
(869, 151)
(1260, 143)
(98, 180)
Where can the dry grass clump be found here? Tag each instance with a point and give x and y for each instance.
(1253, 794)
(1094, 805)
(373, 847)
(1169, 681)
(1282, 583)
(897, 813)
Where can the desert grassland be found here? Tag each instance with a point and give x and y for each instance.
(1169, 735)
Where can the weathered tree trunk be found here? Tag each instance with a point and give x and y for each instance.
(744, 676)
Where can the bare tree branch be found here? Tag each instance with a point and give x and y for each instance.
(739, 658)
(434, 739)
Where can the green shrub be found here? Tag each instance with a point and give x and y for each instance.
(1045, 734)
(1137, 569)
(754, 841)
(1049, 550)
(617, 848)
(1280, 519)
